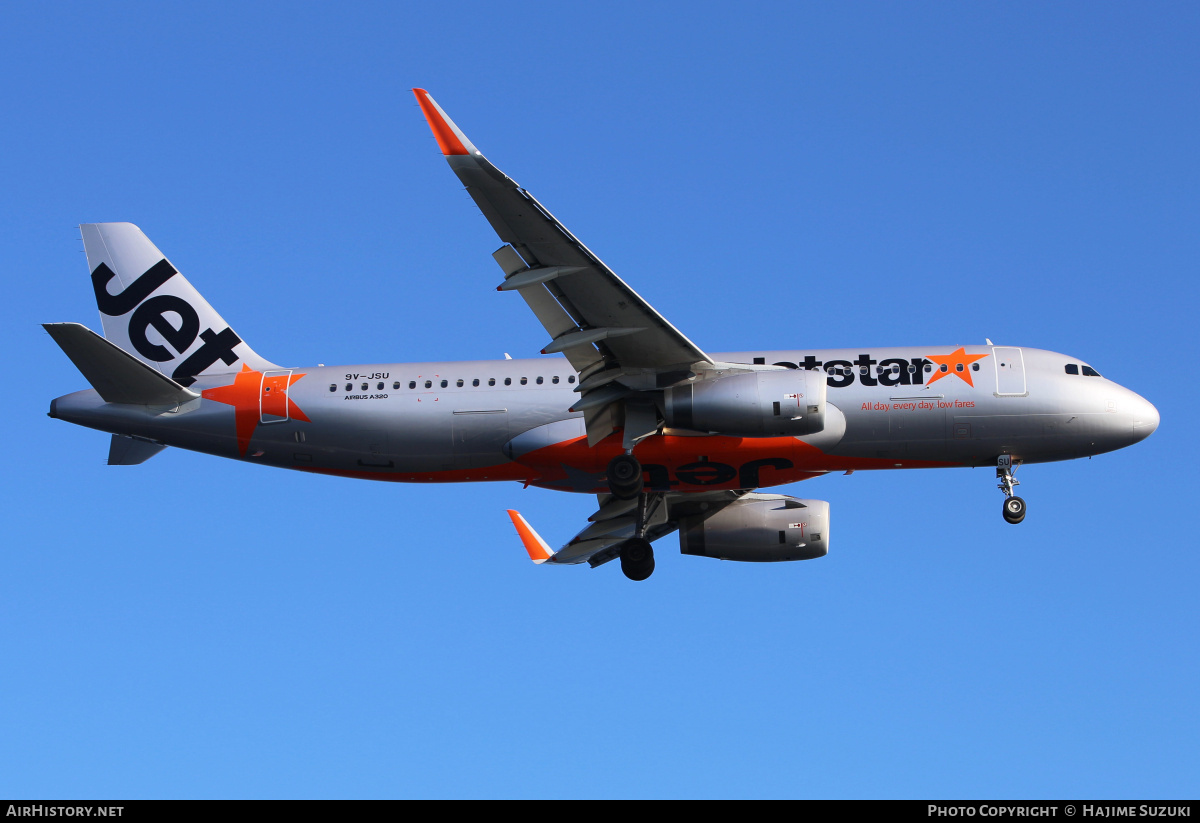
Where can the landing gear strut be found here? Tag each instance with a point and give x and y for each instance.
(624, 477)
(1014, 507)
(637, 555)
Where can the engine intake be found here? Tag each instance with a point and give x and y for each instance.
(788, 402)
(759, 528)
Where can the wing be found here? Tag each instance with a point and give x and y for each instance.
(616, 521)
(616, 340)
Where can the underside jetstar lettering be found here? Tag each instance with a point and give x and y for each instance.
(712, 473)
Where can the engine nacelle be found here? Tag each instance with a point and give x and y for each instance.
(787, 402)
(759, 528)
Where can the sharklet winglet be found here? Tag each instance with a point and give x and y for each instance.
(449, 137)
(539, 551)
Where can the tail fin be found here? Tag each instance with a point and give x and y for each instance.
(152, 312)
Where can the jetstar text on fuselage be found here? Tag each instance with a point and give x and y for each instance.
(889, 371)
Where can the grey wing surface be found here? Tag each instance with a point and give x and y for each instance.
(605, 329)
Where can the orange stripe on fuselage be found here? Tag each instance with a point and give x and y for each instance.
(693, 464)
(505, 471)
(671, 462)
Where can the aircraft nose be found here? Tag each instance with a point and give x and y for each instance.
(1145, 418)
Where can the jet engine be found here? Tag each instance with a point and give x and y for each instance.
(759, 528)
(787, 402)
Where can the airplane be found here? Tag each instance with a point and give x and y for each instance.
(669, 437)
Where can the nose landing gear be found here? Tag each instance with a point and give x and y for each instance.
(1014, 507)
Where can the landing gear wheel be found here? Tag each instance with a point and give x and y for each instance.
(637, 559)
(1014, 510)
(624, 477)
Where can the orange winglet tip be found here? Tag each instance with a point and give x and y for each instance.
(539, 552)
(449, 138)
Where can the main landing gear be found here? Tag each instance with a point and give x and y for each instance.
(625, 483)
(637, 558)
(1014, 507)
(624, 477)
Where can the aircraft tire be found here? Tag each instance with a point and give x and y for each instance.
(624, 477)
(1014, 510)
(637, 559)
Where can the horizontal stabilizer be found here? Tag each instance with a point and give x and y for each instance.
(116, 376)
(126, 451)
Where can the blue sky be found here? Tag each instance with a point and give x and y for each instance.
(767, 176)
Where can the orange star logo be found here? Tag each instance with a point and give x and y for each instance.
(252, 395)
(958, 362)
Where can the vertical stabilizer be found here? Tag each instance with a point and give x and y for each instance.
(151, 311)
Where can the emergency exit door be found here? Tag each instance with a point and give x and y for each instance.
(273, 396)
(1010, 372)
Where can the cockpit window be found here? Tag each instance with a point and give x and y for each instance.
(1072, 368)
(1088, 371)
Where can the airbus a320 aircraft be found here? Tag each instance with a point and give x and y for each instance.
(668, 436)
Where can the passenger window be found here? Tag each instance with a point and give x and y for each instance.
(412, 384)
(365, 386)
(539, 381)
(333, 386)
(379, 386)
(429, 384)
(912, 369)
(928, 368)
(491, 381)
(945, 368)
(459, 383)
(1088, 371)
(524, 381)
(475, 382)
(974, 367)
(349, 386)
(396, 385)
(571, 379)
(1073, 368)
(863, 369)
(958, 366)
(508, 381)
(554, 379)
(445, 383)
